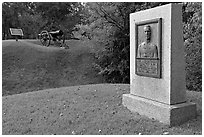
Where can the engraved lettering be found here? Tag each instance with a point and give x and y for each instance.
(147, 67)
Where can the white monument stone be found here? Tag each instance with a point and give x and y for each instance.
(157, 66)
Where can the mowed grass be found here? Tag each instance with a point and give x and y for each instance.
(94, 109)
(28, 66)
(80, 109)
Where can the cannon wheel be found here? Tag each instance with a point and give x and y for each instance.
(45, 38)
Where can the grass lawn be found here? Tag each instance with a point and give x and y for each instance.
(85, 110)
(54, 91)
(27, 66)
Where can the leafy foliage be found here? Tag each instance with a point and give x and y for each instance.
(10, 14)
(31, 24)
(109, 24)
(33, 17)
(113, 61)
(192, 13)
(58, 15)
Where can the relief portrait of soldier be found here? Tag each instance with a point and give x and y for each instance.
(147, 49)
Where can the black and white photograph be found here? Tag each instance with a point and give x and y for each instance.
(101, 68)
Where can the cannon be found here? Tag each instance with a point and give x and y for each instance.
(57, 37)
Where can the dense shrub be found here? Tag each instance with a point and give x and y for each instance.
(109, 24)
(192, 20)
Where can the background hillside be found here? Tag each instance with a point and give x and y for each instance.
(27, 66)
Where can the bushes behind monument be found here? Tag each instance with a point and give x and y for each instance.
(114, 63)
(192, 20)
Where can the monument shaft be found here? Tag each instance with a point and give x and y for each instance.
(157, 83)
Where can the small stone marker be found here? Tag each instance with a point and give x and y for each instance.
(16, 32)
(157, 66)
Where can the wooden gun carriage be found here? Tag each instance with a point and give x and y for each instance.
(57, 37)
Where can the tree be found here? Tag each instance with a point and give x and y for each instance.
(32, 24)
(60, 15)
(109, 24)
(33, 17)
(192, 20)
(9, 18)
(11, 12)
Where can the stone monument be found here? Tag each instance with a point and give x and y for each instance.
(157, 66)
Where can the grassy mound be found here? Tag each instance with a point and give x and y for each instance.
(28, 66)
(85, 110)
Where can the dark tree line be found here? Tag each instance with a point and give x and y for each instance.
(32, 17)
(112, 19)
(192, 23)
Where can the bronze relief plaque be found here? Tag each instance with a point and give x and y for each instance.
(148, 48)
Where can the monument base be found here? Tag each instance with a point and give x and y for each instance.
(168, 114)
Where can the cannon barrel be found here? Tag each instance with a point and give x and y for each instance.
(56, 33)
